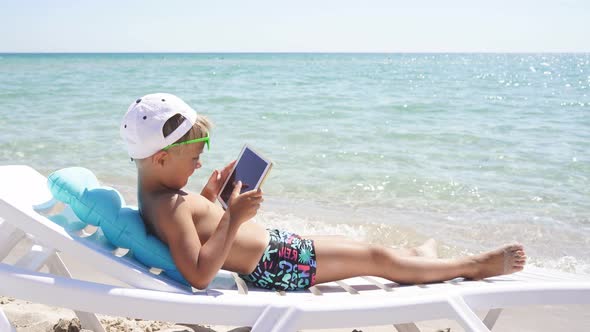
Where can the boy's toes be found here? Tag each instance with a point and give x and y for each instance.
(515, 247)
(518, 259)
(517, 268)
(518, 253)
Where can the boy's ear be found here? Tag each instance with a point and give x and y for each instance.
(160, 158)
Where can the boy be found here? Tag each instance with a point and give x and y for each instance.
(165, 138)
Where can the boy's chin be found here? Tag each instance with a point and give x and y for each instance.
(178, 185)
(184, 184)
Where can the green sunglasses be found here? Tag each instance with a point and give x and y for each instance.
(196, 140)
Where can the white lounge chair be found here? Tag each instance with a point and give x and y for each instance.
(353, 302)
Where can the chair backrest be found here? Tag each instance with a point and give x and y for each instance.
(27, 204)
(105, 208)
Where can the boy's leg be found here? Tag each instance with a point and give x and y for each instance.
(345, 259)
(427, 249)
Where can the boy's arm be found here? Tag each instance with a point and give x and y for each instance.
(198, 264)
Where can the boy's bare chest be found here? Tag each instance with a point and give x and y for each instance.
(250, 235)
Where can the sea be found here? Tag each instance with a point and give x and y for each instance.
(474, 150)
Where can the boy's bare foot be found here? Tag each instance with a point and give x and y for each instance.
(504, 260)
(427, 249)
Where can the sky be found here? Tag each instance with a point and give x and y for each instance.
(295, 26)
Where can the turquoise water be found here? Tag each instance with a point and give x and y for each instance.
(472, 149)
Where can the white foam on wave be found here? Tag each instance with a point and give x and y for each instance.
(569, 264)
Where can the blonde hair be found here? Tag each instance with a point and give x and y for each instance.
(200, 129)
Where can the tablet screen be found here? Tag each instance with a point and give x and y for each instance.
(249, 169)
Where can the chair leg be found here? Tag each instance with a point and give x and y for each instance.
(492, 317)
(409, 327)
(9, 237)
(87, 320)
(276, 319)
(4, 323)
(466, 317)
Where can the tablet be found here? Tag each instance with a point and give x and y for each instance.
(251, 168)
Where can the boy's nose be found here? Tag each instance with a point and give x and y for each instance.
(198, 165)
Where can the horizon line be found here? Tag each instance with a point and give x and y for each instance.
(294, 52)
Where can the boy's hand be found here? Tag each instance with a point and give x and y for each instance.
(243, 207)
(216, 180)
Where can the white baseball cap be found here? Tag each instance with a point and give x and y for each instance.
(142, 125)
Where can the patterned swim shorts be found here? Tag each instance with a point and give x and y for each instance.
(288, 263)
